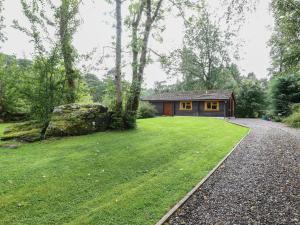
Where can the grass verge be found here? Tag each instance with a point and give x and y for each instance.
(131, 177)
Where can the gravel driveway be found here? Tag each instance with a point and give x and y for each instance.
(258, 184)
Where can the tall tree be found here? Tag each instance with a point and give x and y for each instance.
(285, 40)
(46, 85)
(118, 70)
(284, 92)
(250, 99)
(144, 14)
(204, 56)
(66, 16)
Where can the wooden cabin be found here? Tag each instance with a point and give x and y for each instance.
(194, 103)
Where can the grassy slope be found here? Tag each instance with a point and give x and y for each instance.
(131, 177)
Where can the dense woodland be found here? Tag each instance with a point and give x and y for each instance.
(30, 89)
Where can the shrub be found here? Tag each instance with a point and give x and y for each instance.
(146, 110)
(250, 99)
(284, 91)
(294, 119)
(122, 120)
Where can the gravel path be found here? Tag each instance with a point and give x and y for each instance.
(258, 184)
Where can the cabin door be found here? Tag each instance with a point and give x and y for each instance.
(168, 111)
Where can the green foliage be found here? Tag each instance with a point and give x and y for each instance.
(109, 97)
(52, 80)
(250, 99)
(46, 87)
(123, 120)
(130, 177)
(284, 91)
(84, 94)
(13, 72)
(294, 119)
(285, 41)
(203, 62)
(146, 110)
(96, 86)
(66, 25)
(117, 121)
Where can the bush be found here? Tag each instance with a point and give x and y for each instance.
(250, 99)
(146, 110)
(294, 119)
(284, 91)
(122, 120)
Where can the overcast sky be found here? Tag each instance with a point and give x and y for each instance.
(96, 31)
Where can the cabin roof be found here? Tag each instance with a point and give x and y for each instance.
(191, 95)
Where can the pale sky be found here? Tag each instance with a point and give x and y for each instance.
(97, 31)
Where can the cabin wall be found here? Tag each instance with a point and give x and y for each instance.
(219, 113)
(198, 109)
(193, 112)
(159, 106)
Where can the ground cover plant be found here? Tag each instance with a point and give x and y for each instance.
(130, 177)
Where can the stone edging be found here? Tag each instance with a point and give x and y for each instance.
(165, 218)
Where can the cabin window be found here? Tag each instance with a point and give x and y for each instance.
(186, 105)
(212, 106)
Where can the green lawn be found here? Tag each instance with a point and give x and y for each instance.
(115, 178)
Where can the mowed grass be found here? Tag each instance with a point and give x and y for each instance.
(131, 177)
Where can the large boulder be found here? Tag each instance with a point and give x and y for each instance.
(78, 119)
(28, 131)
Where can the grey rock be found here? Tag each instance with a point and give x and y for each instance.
(78, 119)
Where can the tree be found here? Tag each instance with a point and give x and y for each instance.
(285, 40)
(67, 23)
(285, 53)
(96, 86)
(12, 75)
(284, 92)
(118, 70)
(144, 14)
(204, 56)
(250, 99)
(45, 87)
(109, 99)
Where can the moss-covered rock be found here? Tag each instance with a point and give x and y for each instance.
(78, 119)
(66, 120)
(28, 131)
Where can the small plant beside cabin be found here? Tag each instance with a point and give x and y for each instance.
(146, 110)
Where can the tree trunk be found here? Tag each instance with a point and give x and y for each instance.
(138, 68)
(67, 50)
(70, 76)
(118, 72)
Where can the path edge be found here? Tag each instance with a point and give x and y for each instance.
(165, 218)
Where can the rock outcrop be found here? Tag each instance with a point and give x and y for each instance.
(76, 119)
(29, 131)
(66, 120)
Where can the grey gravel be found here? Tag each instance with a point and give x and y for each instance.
(258, 184)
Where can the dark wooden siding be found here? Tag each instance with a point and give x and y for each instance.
(159, 107)
(198, 109)
(219, 113)
(193, 112)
